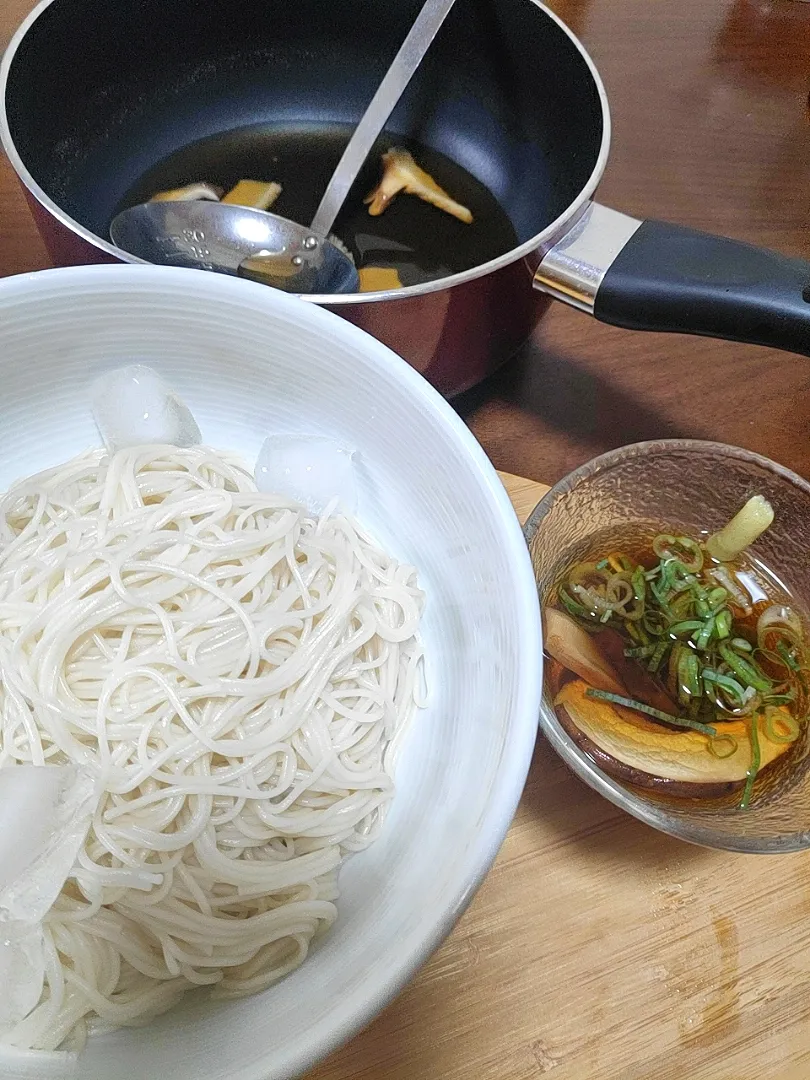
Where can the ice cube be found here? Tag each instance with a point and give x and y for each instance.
(22, 971)
(135, 406)
(311, 469)
(45, 812)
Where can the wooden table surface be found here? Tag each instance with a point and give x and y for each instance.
(598, 949)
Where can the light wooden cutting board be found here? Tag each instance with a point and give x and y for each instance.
(599, 949)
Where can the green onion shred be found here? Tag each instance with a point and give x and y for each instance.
(689, 623)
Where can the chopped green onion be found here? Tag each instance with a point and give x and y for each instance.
(753, 768)
(702, 638)
(672, 663)
(779, 699)
(586, 573)
(591, 601)
(639, 706)
(618, 591)
(679, 548)
(620, 595)
(639, 583)
(729, 686)
(681, 607)
(688, 680)
(717, 597)
(658, 655)
(779, 628)
(728, 742)
(787, 655)
(744, 669)
(774, 660)
(678, 620)
(785, 720)
(571, 605)
(642, 652)
(637, 633)
(681, 586)
(685, 627)
(653, 622)
(660, 594)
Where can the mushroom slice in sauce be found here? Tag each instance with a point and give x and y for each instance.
(651, 750)
(573, 647)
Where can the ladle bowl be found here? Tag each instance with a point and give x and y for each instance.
(235, 240)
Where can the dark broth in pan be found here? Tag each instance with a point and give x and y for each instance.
(421, 242)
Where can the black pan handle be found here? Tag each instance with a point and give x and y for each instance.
(650, 275)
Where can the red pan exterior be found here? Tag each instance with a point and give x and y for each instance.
(457, 336)
(65, 247)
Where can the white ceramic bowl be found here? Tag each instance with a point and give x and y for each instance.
(249, 361)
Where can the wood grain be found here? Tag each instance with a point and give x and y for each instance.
(525, 494)
(598, 949)
(710, 129)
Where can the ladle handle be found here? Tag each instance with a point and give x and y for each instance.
(651, 275)
(410, 55)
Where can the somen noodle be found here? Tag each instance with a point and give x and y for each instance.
(239, 674)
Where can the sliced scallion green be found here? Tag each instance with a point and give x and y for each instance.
(744, 669)
(756, 758)
(685, 627)
(639, 706)
(723, 746)
(790, 726)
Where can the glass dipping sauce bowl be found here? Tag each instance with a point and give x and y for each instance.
(697, 487)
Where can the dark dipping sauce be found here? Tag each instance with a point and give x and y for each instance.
(420, 241)
(654, 684)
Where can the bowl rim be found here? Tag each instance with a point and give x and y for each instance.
(565, 747)
(344, 1020)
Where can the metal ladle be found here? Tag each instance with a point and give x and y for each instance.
(266, 247)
